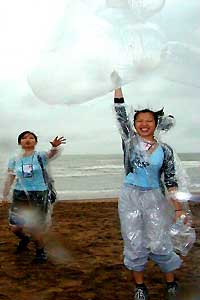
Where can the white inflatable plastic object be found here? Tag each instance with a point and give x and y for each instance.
(181, 63)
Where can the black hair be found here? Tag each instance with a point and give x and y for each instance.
(156, 114)
(20, 137)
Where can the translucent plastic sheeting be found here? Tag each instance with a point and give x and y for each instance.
(57, 251)
(183, 236)
(142, 167)
(131, 10)
(141, 45)
(94, 38)
(137, 9)
(60, 80)
(80, 71)
(181, 63)
(31, 219)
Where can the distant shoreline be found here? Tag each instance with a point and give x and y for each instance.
(180, 154)
(196, 198)
(95, 200)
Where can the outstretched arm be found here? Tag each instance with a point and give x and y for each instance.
(55, 146)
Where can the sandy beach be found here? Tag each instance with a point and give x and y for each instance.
(85, 259)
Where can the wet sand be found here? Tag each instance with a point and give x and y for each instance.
(85, 259)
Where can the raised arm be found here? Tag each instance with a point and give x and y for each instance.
(55, 146)
(121, 115)
(119, 106)
(118, 93)
(124, 127)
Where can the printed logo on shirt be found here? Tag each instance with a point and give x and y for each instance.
(27, 170)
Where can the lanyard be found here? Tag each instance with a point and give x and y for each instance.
(27, 169)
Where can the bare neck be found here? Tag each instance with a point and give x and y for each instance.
(148, 138)
(28, 151)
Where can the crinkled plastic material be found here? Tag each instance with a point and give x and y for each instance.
(183, 236)
(149, 207)
(165, 123)
(182, 193)
(91, 44)
(139, 10)
(31, 218)
(181, 63)
(141, 45)
(133, 9)
(66, 76)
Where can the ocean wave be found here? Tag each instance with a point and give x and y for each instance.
(86, 191)
(87, 194)
(85, 168)
(196, 185)
(85, 174)
(191, 164)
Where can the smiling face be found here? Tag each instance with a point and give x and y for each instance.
(28, 141)
(145, 125)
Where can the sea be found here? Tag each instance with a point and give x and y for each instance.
(100, 176)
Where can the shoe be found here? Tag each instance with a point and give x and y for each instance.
(141, 293)
(22, 246)
(172, 290)
(40, 256)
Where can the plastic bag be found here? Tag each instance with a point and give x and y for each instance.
(183, 236)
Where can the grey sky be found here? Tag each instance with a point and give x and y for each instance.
(91, 127)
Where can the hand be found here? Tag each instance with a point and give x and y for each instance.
(178, 214)
(116, 79)
(58, 141)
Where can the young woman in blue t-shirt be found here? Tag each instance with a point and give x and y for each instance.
(29, 214)
(144, 210)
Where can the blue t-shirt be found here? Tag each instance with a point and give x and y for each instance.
(28, 172)
(149, 176)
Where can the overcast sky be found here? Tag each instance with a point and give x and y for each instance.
(31, 29)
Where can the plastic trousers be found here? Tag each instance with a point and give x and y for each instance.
(145, 217)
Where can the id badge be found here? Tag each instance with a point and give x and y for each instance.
(27, 171)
